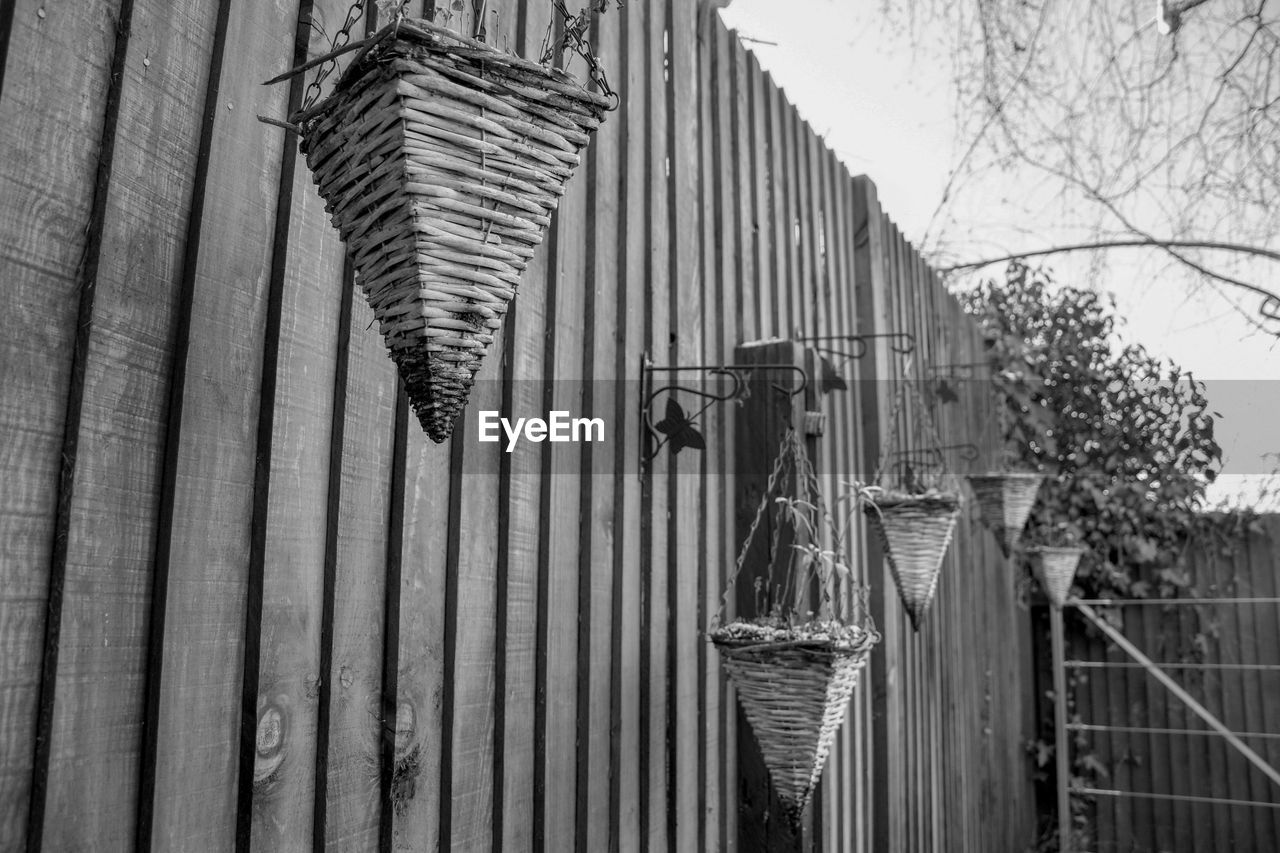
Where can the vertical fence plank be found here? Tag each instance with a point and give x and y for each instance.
(467, 782)
(208, 546)
(845, 423)
(739, 185)
(292, 598)
(355, 673)
(1263, 548)
(562, 467)
(739, 252)
(1249, 717)
(601, 392)
(756, 117)
(51, 142)
(717, 315)
(777, 221)
(630, 784)
(523, 394)
(869, 308)
(420, 664)
(96, 728)
(656, 801)
(833, 447)
(686, 561)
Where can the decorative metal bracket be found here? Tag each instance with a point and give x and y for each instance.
(902, 343)
(678, 429)
(931, 457)
(941, 372)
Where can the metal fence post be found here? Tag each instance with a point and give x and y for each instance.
(1061, 759)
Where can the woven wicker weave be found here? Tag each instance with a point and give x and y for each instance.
(1055, 569)
(915, 533)
(440, 160)
(794, 696)
(1006, 500)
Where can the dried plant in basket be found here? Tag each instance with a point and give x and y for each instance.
(440, 159)
(795, 669)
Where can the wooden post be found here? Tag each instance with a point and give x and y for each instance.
(761, 422)
(1060, 729)
(871, 314)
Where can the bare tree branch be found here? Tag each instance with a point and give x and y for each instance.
(1121, 244)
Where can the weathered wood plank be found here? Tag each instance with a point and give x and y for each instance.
(657, 745)
(685, 563)
(523, 341)
(50, 136)
(470, 736)
(355, 674)
(420, 673)
(96, 728)
(721, 327)
(603, 391)
(758, 219)
(737, 257)
(629, 784)
(845, 423)
(561, 527)
(289, 676)
(868, 274)
(738, 185)
(760, 424)
(207, 550)
(778, 210)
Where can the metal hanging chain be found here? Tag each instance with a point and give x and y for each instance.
(779, 467)
(907, 400)
(792, 471)
(575, 36)
(340, 40)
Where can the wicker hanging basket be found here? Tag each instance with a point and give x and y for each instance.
(915, 531)
(1055, 569)
(795, 670)
(794, 696)
(440, 160)
(1006, 499)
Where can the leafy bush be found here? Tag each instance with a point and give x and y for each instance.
(1126, 438)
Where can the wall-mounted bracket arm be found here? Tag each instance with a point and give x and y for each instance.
(857, 346)
(678, 428)
(920, 459)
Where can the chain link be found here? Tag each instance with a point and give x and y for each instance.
(340, 40)
(575, 36)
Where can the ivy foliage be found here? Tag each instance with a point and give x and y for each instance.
(1126, 440)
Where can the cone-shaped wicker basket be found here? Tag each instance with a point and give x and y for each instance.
(1055, 569)
(440, 160)
(1005, 500)
(794, 671)
(795, 696)
(915, 531)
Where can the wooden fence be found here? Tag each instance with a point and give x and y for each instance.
(246, 602)
(1205, 646)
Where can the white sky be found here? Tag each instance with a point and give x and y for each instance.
(887, 110)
